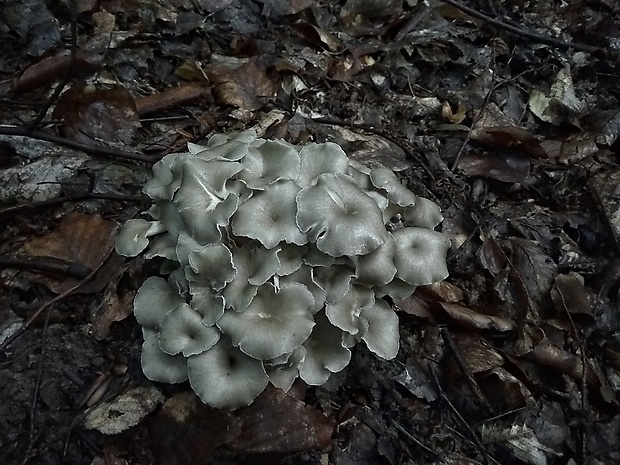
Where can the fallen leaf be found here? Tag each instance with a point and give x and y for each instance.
(247, 87)
(81, 239)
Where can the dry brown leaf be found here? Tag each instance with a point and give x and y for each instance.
(92, 115)
(277, 422)
(81, 239)
(247, 87)
(472, 319)
(187, 431)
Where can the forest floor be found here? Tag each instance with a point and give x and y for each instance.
(506, 113)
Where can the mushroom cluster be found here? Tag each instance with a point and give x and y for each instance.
(277, 259)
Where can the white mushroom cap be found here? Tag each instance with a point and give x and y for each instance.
(276, 322)
(153, 301)
(424, 214)
(420, 256)
(385, 179)
(377, 267)
(158, 365)
(269, 216)
(339, 217)
(317, 159)
(382, 335)
(183, 331)
(224, 377)
(283, 373)
(269, 161)
(133, 236)
(325, 353)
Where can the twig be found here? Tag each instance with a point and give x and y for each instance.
(69, 198)
(35, 394)
(91, 149)
(472, 434)
(471, 382)
(62, 84)
(522, 32)
(24, 326)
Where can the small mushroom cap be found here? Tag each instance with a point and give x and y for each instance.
(158, 365)
(339, 217)
(335, 280)
(424, 214)
(211, 265)
(269, 216)
(291, 258)
(385, 179)
(245, 137)
(325, 353)
(282, 374)
(254, 265)
(377, 268)
(164, 183)
(203, 201)
(420, 255)
(209, 305)
(182, 331)
(317, 159)
(345, 314)
(269, 161)
(305, 275)
(397, 289)
(275, 322)
(133, 236)
(224, 377)
(382, 335)
(153, 301)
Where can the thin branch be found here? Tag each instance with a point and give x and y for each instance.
(62, 84)
(522, 32)
(90, 149)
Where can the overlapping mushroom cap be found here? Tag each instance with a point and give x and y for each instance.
(278, 258)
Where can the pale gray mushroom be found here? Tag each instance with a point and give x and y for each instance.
(386, 180)
(424, 214)
(420, 256)
(245, 137)
(377, 268)
(291, 258)
(317, 159)
(182, 330)
(268, 161)
(335, 280)
(158, 365)
(325, 353)
(276, 322)
(284, 370)
(164, 182)
(225, 377)
(382, 336)
(133, 236)
(207, 303)
(345, 313)
(203, 202)
(305, 275)
(397, 289)
(339, 217)
(254, 265)
(153, 301)
(211, 266)
(269, 216)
